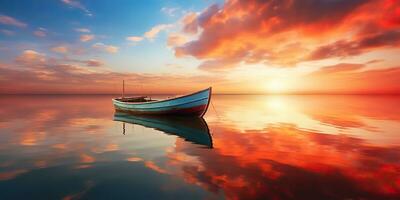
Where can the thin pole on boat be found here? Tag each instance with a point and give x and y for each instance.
(123, 89)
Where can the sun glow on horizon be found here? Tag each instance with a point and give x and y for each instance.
(276, 86)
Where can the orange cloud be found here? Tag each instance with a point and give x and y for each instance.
(288, 32)
(190, 23)
(134, 38)
(343, 48)
(350, 79)
(30, 57)
(341, 67)
(86, 37)
(60, 49)
(43, 74)
(153, 32)
(176, 40)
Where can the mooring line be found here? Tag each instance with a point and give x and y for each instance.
(215, 110)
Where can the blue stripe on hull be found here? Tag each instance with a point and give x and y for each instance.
(159, 109)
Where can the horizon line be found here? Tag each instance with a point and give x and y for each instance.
(299, 93)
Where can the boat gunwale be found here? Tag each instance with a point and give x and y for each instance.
(193, 101)
(150, 102)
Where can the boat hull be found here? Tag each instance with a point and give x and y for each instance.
(195, 104)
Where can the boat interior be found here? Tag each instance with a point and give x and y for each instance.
(135, 99)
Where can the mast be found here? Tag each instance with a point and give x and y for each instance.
(123, 89)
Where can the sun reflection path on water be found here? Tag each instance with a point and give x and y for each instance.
(353, 138)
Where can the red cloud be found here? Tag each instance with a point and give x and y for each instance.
(290, 31)
(358, 46)
(342, 67)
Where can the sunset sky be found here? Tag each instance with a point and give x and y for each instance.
(235, 46)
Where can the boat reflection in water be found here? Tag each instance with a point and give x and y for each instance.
(192, 129)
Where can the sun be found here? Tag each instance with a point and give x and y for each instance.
(276, 86)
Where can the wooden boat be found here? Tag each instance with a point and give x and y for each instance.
(194, 104)
(192, 129)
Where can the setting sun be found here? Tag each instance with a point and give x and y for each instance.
(276, 86)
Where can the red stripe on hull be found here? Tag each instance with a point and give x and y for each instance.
(193, 111)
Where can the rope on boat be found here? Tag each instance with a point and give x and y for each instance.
(215, 110)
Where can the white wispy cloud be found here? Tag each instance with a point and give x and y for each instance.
(78, 5)
(169, 11)
(82, 30)
(40, 32)
(151, 34)
(7, 32)
(105, 48)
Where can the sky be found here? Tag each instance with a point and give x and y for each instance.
(174, 47)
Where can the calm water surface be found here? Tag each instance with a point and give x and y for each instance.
(248, 147)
